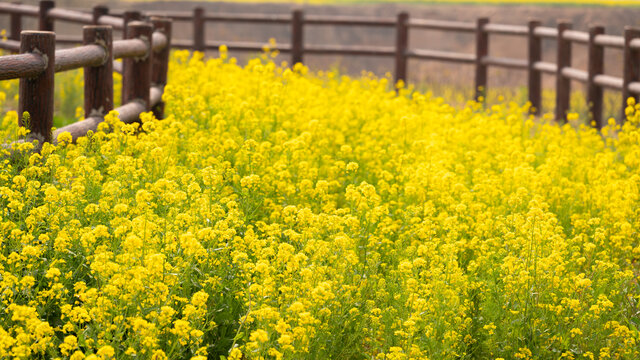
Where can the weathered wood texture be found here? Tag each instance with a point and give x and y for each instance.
(36, 93)
(402, 44)
(45, 23)
(563, 84)
(75, 58)
(297, 36)
(160, 66)
(534, 75)
(339, 20)
(482, 50)
(349, 50)
(23, 65)
(18, 8)
(98, 78)
(244, 18)
(129, 48)
(127, 17)
(11, 45)
(595, 67)
(98, 12)
(429, 24)
(198, 29)
(69, 15)
(136, 77)
(116, 22)
(15, 25)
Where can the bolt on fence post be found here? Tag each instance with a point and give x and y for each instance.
(44, 22)
(563, 84)
(297, 36)
(402, 44)
(127, 17)
(482, 50)
(160, 65)
(136, 74)
(198, 29)
(15, 25)
(98, 80)
(99, 10)
(535, 77)
(36, 93)
(630, 68)
(595, 67)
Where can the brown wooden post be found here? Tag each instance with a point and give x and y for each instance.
(99, 10)
(482, 50)
(563, 84)
(128, 17)
(136, 75)
(44, 22)
(402, 44)
(595, 67)
(15, 25)
(36, 93)
(630, 68)
(297, 36)
(160, 65)
(198, 30)
(535, 77)
(98, 80)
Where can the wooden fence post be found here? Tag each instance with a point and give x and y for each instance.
(36, 94)
(563, 84)
(128, 17)
(198, 30)
(15, 25)
(44, 22)
(98, 80)
(630, 68)
(99, 10)
(161, 62)
(535, 77)
(297, 36)
(482, 50)
(402, 44)
(136, 74)
(595, 67)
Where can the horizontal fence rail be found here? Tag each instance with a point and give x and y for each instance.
(533, 35)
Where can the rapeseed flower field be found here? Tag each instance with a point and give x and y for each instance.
(278, 213)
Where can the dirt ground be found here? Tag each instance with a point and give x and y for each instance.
(614, 19)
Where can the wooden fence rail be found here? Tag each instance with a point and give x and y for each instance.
(533, 33)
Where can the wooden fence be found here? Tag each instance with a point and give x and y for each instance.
(145, 58)
(533, 33)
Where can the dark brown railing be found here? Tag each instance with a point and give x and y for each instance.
(595, 39)
(144, 53)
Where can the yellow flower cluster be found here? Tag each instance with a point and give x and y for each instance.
(280, 214)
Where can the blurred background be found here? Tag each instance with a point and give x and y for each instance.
(427, 75)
